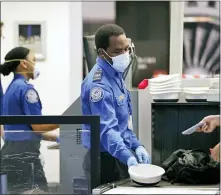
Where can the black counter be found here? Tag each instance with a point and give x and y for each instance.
(169, 120)
(186, 103)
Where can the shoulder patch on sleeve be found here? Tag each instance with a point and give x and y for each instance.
(97, 75)
(97, 94)
(31, 96)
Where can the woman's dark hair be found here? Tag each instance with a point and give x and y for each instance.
(17, 53)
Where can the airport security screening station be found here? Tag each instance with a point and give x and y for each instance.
(123, 100)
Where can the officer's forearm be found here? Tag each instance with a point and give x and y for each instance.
(49, 137)
(135, 142)
(114, 144)
(43, 128)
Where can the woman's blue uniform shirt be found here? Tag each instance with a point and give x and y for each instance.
(21, 98)
(103, 93)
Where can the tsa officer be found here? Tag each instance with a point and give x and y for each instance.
(20, 153)
(104, 93)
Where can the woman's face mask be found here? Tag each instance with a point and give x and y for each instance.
(120, 62)
(31, 68)
(35, 70)
(36, 73)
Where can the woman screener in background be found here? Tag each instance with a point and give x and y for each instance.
(20, 153)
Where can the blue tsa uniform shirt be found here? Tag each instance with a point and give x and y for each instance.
(103, 93)
(21, 99)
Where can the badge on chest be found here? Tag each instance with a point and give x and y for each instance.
(121, 97)
(130, 123)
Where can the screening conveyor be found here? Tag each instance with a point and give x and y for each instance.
(128, 187)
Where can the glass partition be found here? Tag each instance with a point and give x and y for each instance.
(22, 166)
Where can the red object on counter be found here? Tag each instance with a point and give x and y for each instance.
(196, 76)
(143, 84)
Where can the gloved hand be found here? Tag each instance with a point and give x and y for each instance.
(142, 155)
(58, 140)
(132, 161)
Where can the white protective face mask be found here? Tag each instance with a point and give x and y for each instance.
(36, 73)
(120, 62)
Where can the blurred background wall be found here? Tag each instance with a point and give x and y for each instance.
(150, 32)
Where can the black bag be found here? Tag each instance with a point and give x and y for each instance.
(191, 167)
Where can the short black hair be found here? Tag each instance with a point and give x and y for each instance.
(17, 53)
(103, 34)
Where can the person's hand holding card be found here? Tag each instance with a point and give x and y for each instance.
(210, 123)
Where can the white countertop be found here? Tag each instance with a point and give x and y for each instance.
(162, 190)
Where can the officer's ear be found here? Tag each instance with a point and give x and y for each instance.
(24, 64)
(100, 53)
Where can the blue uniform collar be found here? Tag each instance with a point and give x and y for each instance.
(107, 68)
(19, 76)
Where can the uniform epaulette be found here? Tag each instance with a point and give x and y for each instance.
(97, 75)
